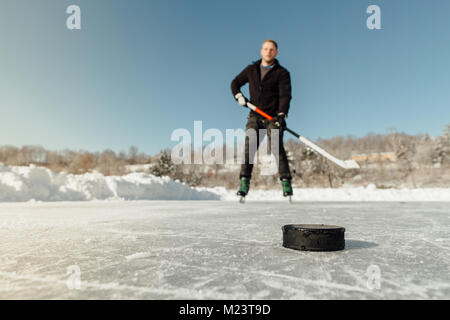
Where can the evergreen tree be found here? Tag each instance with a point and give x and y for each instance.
(441, 153)
(164, 166)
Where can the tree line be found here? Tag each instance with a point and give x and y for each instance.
(106, 162)
(418, 161)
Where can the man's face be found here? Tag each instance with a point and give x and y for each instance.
(268, 51)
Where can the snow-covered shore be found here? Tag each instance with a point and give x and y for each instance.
(360, 194)
(20, 184)
(41, 184)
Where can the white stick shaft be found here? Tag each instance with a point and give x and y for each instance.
(346, 164)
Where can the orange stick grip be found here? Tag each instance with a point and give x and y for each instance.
(265, 115)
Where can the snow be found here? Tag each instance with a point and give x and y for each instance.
(138, 255)
(41, 184)
(220, 250)
(139, 167)
(32, 183)
(358, 194)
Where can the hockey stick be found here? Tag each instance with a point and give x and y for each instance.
(346, 164)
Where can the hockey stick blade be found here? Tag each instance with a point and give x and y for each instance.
(351, 164)
(346, 164)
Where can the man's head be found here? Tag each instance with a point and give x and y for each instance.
(269, 51)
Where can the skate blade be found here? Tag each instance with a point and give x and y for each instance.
(242, 199)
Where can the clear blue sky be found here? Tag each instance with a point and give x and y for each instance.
(139, 69)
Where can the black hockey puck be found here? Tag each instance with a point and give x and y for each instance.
(313, 237)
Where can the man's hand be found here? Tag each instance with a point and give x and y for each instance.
(241, 99)
(280, 120)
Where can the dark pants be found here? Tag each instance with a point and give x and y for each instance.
(257, 122)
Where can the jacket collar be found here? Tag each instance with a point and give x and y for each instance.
(258, 62)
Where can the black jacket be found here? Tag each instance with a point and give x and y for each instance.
(273, 94)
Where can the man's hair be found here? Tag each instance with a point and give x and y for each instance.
(271, 41)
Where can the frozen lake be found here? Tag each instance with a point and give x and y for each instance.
(220, 250)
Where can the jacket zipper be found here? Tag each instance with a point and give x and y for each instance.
(258, 71)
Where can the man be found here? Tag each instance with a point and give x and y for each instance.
(270, 90)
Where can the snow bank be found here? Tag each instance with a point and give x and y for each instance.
(42, 184)
(358, 194)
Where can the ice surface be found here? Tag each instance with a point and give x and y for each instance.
(220, 250)
(18, 184)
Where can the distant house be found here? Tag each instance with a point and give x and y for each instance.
(383, 156)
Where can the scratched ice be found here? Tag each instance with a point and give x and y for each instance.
(220, 250)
